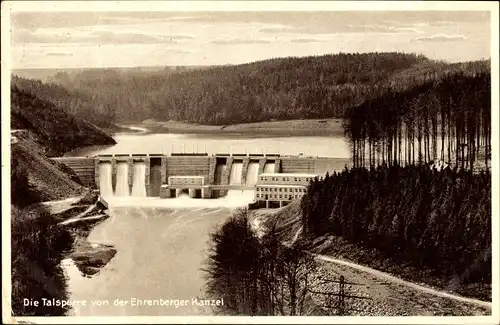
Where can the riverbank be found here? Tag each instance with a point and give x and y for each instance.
(44, 235)
(394, 289)
(312, 127)
(79, 218)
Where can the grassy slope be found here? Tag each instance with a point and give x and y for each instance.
(49, 180)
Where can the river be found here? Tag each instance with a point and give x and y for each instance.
(162, 244)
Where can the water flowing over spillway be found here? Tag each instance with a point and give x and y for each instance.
(105, 179)
(252, 174)
(122, 187)
(219, 171)
(269, 168)
(235, 177)
(139, 180)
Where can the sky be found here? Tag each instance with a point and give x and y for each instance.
(132, 39)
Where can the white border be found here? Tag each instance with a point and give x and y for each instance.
(81, 6)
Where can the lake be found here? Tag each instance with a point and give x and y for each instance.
(166, 143)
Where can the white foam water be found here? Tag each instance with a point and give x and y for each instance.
(219, 171)
(233, 199)
(139, 180)
(235, 176)
(105, 182)
(252, 174)
(122, 187)
(269, 168)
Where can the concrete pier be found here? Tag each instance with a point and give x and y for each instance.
(244, 170)
(211, 170)
(262, 164)
(277, 165)
(165, 192)
(130, 161)
(147, 173)
(164, 169)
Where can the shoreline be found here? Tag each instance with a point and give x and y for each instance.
(285, 128)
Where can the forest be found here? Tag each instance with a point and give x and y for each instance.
(283, 88)
(419, 191)
(446, 119)
(58, 131)
(258, 275)
(437, 220)
(73, 102)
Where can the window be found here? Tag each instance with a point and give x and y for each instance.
(280, 196)
(280, 189)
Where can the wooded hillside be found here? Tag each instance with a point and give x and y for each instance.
(283, 88)
(56, 130)
(438, 221)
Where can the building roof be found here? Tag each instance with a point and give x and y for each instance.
(282, 185)
(289, 174)
(187, 176)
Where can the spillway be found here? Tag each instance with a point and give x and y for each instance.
(138, 181)
(122, 187)
(105, 182)
(235, 176)
(155, 180)
(252, 173)
(269, 168)
(219, 171)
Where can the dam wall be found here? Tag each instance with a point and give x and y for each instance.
(317, 165)
(148, 175)
(83, 167)
(188, 166)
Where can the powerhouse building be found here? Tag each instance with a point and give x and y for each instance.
(279, 189)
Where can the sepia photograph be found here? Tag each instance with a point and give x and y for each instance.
(207, 161)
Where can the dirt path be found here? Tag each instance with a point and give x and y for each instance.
(389, 295)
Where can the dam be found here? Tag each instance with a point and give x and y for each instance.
(197, 175)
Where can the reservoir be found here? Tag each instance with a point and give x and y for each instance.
(162, 244)
(166, 143)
